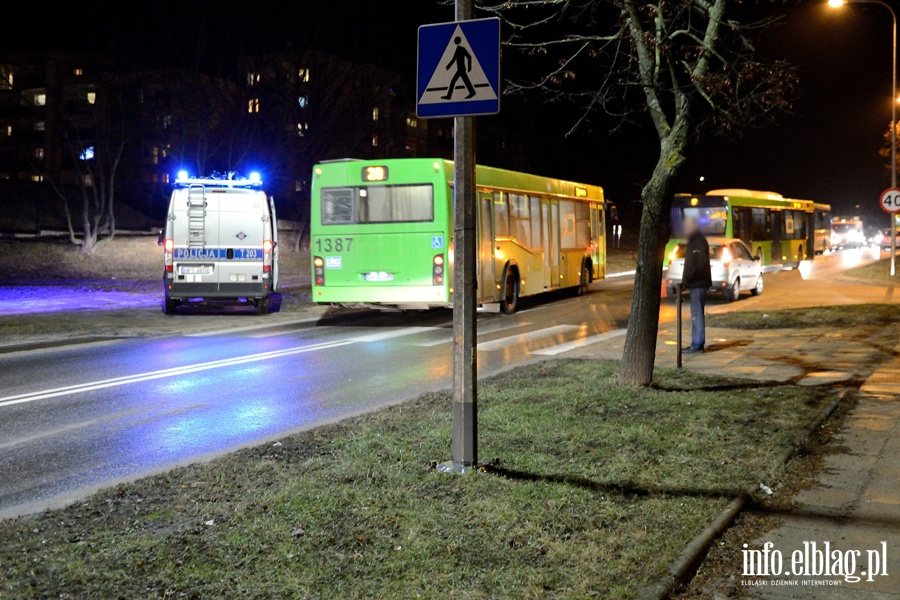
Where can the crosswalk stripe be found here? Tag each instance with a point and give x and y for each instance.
(448, 338)
(526, 337)
(581, 342)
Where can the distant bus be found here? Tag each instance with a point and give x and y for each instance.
(381, 234)
(781, 231)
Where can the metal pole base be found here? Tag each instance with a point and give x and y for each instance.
(461, 469)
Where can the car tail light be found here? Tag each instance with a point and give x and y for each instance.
(267, 255)
(169, 248)
(726, 255)
(437, 270)
(319, 270)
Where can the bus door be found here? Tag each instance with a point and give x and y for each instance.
(777, 234)
(742, 221)
(487, 284)
(550, 219)
(597, 237)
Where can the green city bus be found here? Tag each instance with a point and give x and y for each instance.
(781, 231)
(381, 234)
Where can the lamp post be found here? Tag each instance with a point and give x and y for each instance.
(895, 99)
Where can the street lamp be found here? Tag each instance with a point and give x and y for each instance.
(838, 4)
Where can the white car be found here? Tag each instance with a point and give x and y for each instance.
(734, 268)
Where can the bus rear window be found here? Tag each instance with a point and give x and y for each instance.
(378, 204)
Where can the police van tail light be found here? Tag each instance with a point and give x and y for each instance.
(437, 270)
(267, 255)
(169, 247)
(319, 269)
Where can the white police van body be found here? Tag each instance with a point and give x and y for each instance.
(220, 243)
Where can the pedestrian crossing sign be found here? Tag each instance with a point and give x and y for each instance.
(459, 69)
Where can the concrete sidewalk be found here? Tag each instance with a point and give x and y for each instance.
(855, 502)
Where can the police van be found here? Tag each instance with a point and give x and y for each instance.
(220, 242)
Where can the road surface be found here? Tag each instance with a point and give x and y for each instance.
(76, 418)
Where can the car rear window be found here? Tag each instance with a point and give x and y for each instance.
(715, 251)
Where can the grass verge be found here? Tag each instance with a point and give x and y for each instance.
(854, 315)
(600, 488)
(878, 272)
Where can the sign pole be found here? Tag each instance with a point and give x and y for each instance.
(464, 453)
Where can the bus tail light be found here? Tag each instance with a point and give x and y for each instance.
(169, 247)
(319, 270)
(673, 254)
(267, 256)
(437, 270)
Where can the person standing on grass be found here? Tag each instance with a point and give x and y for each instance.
(697, 278)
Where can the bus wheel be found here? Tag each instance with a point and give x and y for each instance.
(734, 290)
(262, 306)
(510, 300)
(758, 288)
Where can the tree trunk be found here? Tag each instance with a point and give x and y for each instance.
(639, 355)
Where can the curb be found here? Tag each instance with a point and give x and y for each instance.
(683, 568)
(859, 280)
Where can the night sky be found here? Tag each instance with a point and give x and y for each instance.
(826, 150)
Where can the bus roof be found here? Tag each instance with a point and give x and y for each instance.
(486, 177)
(746, 194)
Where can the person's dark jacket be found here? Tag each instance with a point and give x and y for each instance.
(697, 272)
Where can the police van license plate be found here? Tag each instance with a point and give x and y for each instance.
(199, 270)
(381, 276)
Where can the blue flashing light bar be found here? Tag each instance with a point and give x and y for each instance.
(229, 180)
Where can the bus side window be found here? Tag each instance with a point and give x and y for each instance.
(567, 220)
(520, 219)
(536, 231)
(501, 216)
(582, 224)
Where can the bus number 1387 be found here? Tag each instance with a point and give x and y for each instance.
(334, 244)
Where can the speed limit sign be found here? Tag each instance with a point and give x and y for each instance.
(890, 200)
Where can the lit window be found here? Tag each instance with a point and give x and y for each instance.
(167, 121)
(91, 97)
(9, 131)
(375, 114)
(40, 99)
(303, 101)
(252, 79)
(411, 122)
(303, 75)
(87, 154)
(6, 78)
(374, 141)
(10, 79)
(253, 105)
(165, 178)
(37, 178)
(39, 126)
(154, 155)
(39, 153)
(302, 128)
(78, 72)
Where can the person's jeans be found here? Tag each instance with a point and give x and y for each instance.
(698, 318)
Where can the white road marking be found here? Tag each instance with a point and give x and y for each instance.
(172, 372)
(449, 337)
(252, 327)
(526, 337)
(581, 342)
(395, 333)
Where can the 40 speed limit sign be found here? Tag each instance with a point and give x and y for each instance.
(890, 200)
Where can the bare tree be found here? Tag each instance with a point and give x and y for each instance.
(683, 65)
